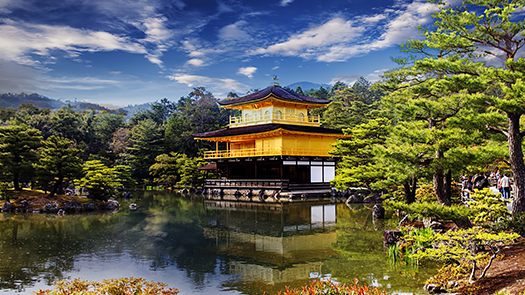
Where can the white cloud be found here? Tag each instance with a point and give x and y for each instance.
(313, 41)
(285, 2)
(247, 71)
(196, 62)
(215, 85)
(234, 31)
(18, 42)
(351, 79)
(339, 39)
(275, 68)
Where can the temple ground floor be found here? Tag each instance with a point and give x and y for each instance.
(270, 175)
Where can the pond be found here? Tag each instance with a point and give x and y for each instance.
(204, 247)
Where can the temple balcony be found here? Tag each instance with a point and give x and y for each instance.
(256, 152)
(275, 117)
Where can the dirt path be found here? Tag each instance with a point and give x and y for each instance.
(506, 275)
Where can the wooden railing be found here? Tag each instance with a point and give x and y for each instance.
(282, 184)
(255, 152)
(275, 118)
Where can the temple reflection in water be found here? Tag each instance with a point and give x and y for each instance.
(273, 243)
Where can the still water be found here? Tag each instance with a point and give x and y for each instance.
(203, 247)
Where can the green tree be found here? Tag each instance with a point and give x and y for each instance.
(58, 161)
(18, 145)
(196, 113)
(101, 180)
(146, 143)
(497, 35)
(358, 166)
(346, 110)
(434, 104)
(173, 168)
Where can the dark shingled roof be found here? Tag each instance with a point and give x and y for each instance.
(277, 91)
(265, 128)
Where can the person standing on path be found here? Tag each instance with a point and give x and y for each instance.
(505, 186)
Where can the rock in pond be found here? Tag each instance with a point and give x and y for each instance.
(390, 237)
(7, 207)
(111, 205)
(73, 207)
(50, 208)
(355, 198)
(373, 199)
(378, 212)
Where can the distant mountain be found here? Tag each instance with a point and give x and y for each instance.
(305, 86)
(131, 109)
(13, 100)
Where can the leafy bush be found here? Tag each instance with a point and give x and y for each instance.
(425, 193)
(123, 286)
(466, 246)
(515, 223)
(332, 288)
(457, 213)
(487, 206)
(6, 192)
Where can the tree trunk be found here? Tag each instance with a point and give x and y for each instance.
(516, 162)
(448, 185)
(439, 183)
(56, 187)
(410, 191)
(16, 181)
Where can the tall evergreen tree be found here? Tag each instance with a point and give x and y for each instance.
(58, 161)
(496, 34)
(18, 145)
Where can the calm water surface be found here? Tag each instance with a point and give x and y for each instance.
(203, 247)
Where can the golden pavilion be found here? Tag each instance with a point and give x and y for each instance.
(274, 145)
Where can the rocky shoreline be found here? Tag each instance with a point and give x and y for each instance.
(28, 201)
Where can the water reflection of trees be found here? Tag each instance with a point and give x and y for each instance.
(166, 231)
(36, 247)
(363, 256)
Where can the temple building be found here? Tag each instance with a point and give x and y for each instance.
(273, 145)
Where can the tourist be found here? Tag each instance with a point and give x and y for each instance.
(505, 186)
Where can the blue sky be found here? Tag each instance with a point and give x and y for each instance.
(124, 52)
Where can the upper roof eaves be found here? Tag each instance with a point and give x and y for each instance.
(277, 91)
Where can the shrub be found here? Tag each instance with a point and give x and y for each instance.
(457, 213)
(515, 223)
(425, 193)
(472, 246)
(123, 286)
(332, 288)
(6, 192)
(487, 206)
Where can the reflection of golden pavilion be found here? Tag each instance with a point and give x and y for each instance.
(274, 144)
(302, 235)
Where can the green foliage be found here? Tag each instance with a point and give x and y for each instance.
(198, 112)
(147, 139)
(58, 161)
(412, 240)
(456, 213)
(102, 181)
(452, 272)
(6, 192)
(122, 286)
(487, 206)
(329, 287)
(515, 223)
(463, 246)
(358, 166)
(425, 193)
(18, 146)
(177, 169)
